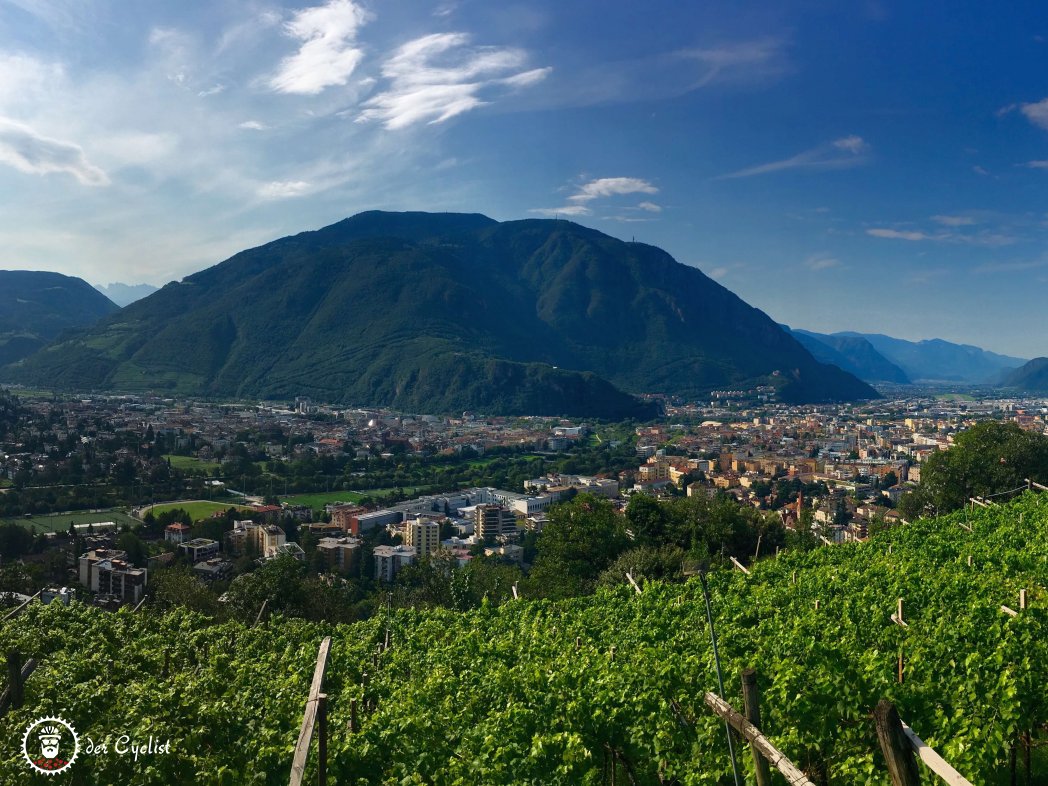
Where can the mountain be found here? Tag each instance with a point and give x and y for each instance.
(444, 312)
(1031, 377)
(938, 360)
(125, 294)
(854, 354)
(37, 306)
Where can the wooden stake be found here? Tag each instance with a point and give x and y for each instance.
(578, 643)
(739, 565)
(354, 727)
(1022, 600)
(633, 581)
(752, 707)
(902, 766)
(322, 739)
(900, 667)
(969, 560)
(16, 690)
(816, 605)
(613, 652)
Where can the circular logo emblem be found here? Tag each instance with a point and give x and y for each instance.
(50, 745)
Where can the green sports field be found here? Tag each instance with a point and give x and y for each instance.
(198, 509)
(59, 522)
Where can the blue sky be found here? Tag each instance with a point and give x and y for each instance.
(867, 166)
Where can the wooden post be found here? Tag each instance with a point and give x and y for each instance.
(752, 708)
(353, 726)
(902, 766)
(899, 612)
(322, 739)
(16, 690)
(1022, 600)
(258, 617)
(309, 717)
(900, 667)
(515, 595)
(739, 565)
(816, 605)
(578, 643)
(613, 652)
(633, 581)
(794, 577)
(751, 734)
(969, 560)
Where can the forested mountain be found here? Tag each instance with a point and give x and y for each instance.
(36, 306)
(1032, 376)
(444, 312)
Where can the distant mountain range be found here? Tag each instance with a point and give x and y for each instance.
(1031, 377)
(444, 312)
(854, 354)
(878, 358)
(36, 307)
(942, 361)
(125, 294)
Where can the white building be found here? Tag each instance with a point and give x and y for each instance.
(390, 559)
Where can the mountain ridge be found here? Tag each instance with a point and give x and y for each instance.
(424, 311)
(37, 306)
(939, 360)
(854, 354)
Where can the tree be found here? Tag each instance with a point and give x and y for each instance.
(989, 458)
(279, 581)
(582, 538)
(136, 550)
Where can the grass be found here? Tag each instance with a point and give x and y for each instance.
(190, 462)
(318, 500)
(59, 522)
(198, 509)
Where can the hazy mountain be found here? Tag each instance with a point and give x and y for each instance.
(854, 354)
(1031, 377)
(37, 306)
(938, 360)
(125, 294)
(444, 312)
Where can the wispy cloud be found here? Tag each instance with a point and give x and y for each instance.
(954, 221)
(739, 60)
(27, 151)
(1014, 266)
(612, 186)
(989, 239)
(328, 54)
(1035, 165)
(1036, 113)
(843, 153)
(253, 125)
(436, 77)
(564, 210)
(284, 189)
(603, 188)
(818, 262)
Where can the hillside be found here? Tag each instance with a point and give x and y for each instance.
(530, 692)
(444, 312)
(36, 307)
(941, 361)
(1031, 377)
(854, 354)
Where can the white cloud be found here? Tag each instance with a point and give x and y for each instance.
(1036, 164)
(564, 210)
(328, 55)
(651, 207)
(737, 61)
(843, 153)
(253, 125)
(612, 186)
(954, 221)
(436, 77)
(897, 234)
(27, 151)
(284, 189)
(214, 90)
(1037, 113)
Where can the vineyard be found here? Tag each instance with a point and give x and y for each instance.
(550, 692)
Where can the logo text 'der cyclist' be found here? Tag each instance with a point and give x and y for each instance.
(50, 745)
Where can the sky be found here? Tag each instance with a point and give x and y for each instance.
(870, 166)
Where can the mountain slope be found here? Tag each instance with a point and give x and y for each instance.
(935, 359)
(443, 312)
(37, 306)
(854, 354)
(1032, 376)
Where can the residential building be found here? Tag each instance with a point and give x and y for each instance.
(176, 533)
(390, 559)
(340, 554)
(492, 522)
(107, 572)
(423, 534)
(199, 549)
(264, 540)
